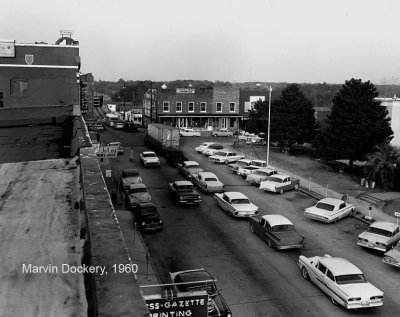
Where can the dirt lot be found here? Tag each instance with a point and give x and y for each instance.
(40, 233)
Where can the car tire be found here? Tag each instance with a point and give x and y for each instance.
(334, 302)
(296, 187)
(269, 243)
(281, 191)
(304, 273)
(226, 162)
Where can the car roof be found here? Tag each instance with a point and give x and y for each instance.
(191, 163)
(244, 160)
(207, 143)
(130, 171)
(183, 183)
(209, 174)
(119, 143)
(339, 266)
(331, 201)
(235, 195)
(193, 275)
(275, 220)
(259, 161)
(139, 185)
(267, 169)
(148, 152)
(281, 176)
(385, 225)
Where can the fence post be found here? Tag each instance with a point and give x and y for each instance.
(309, 185)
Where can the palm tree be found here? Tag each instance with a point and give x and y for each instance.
(381, 164)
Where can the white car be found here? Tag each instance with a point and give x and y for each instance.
(208, 182)
(236, 204)
(279, 183)
(149, 158)
(380, 235)
(202, 146)
(259, 163)
(259, 175)
(329, 210)
(241, 163)
(211, 149)
(222, 132)
(341, 280)
(225, 157)
(189, 132)
(188, 168)
(118, 146)
(247, 170)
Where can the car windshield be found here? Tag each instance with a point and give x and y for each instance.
(216, 147)
(279, 228)
(258, 163)
(275, 179)
(220, 153)
(325, 206)
(350, 279)
(150, 211)
(380, 232)
(240, 201)
(149, 154)
(192, 167)
(185, 188)
(130, 174)
(137, 190)
(210, 179)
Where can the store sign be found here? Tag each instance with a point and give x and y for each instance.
(107, 151)
(397, 214)
(7, 49)
(185, 90)
(192, 304)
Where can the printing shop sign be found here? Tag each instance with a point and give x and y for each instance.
(193, 304)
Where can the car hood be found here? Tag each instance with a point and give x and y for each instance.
(320, 212)
(373, 237)
(194, 170)
(363, 290)
(394, 253)
(192, 194)
(140, 197)
(245, 207)
(131, 180)
(214, 184)
(151, 159)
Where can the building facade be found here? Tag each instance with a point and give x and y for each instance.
(39, 74)
(393, 107)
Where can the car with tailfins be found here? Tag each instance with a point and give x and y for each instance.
(259, 175)
(149, 158)
(392, 257)
(222, 132)
(127, 177)
(341, 280)
(280, 183)
(225, 157)
(137, 194)
(189, 132)
(146, 217)
(277, 231)
(236, 204)
(188, 168)
(200, 280)
(184, 192)
(329, 210)
(380, 235)
(208, 182)
(240, 163)
(211, 149)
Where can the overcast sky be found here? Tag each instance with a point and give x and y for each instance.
(307, 41)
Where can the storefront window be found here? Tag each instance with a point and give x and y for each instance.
(203, 107)
(19, 87)
(166, 106)
(179, 107)
(219, 106)
(191, 107)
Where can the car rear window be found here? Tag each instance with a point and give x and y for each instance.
(138, 190)
(380, 232)
(350, 279)
(325, 206)
(210, 179)
(240, 201)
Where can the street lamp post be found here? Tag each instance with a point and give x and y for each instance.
(151, 102)
(269, 119)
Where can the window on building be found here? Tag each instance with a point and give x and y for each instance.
(179, 106)
(19, 87)
(1, 100)
(219, 106)
(190, 106)
(203, 107)
(232, 106)
(166, 106)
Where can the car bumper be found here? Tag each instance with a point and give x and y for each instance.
(245, 214)
(152, 163)
(319, 218)
(152, 227)
(190, 201)
(365, 304)
(290, 246)
(371, 246)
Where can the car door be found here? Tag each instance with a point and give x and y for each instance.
(267, 232)
(259, 227)
(286, 184)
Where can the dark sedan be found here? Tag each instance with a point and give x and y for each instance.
(146, 217)
(184, 192)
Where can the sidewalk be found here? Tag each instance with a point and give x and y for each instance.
(318, 181)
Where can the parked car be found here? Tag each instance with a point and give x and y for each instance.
(149, 158)
(225, 157)
(174, 156)
(222, 132)
(130, 127)
(128, 177)
(259, 175)
(137, 194)
(203, 145)
(236, 204)
(208, 182)
(380, 235)
(341, 280)
(189, 132)
(198, 280)
(118, 125)
(241, 163)
(147, 218)
(259, 163)
(279, 183)
(277, 231)
(329, 210)
(212, 149)
(184, 192)
(247, 170)
(118, 145)
(392, 257)
(188, 168)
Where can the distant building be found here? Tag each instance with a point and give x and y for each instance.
(393, 107)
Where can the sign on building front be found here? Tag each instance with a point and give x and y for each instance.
(185, 90)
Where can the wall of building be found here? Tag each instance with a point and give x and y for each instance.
(393, 107)
(225, 95)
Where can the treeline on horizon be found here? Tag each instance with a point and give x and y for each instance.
(321, 94)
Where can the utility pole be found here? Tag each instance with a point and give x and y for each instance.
(151, 102)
